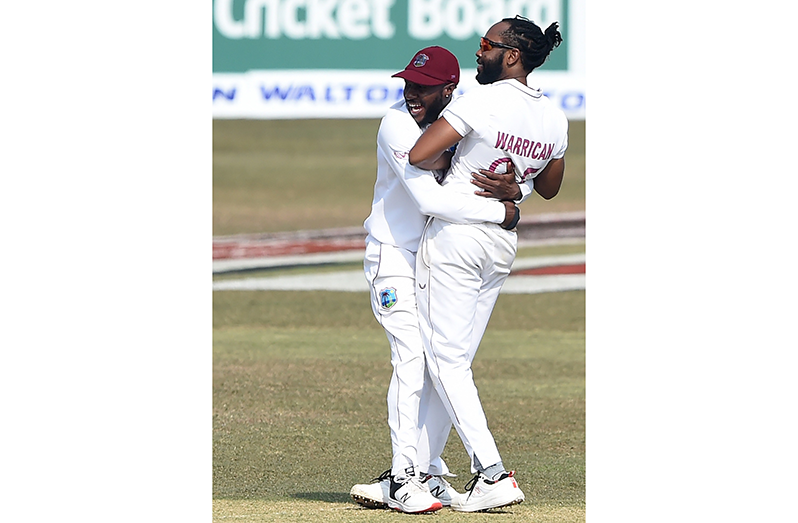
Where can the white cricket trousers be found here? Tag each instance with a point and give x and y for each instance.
(418, 421)
(459, 271)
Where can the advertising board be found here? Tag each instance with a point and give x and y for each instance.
(335, 58)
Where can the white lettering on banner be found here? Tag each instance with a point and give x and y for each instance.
(381, 19)
(462, 19)
(462, 14)
(354, 18)
(312, 19)
(223, 19)
(289, 19)
(319, 12)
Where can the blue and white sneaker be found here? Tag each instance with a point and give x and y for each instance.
(408, 494)
(441, 489)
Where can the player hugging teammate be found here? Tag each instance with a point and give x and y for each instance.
(434, 282)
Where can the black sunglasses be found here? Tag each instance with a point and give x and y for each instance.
(486, 45)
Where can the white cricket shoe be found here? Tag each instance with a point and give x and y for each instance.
(483, 493)
(441, 489)
(374, 494)
(410, 495)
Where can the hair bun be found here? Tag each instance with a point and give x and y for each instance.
(553, 36)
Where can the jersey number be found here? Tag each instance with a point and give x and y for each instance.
(505, 163)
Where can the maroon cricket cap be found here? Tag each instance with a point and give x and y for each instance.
(431, 66)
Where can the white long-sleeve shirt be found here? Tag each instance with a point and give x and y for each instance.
(405, 195)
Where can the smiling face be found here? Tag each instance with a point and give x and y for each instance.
(490, 62)
(425, 102)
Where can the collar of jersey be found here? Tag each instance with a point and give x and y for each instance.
(531, 91)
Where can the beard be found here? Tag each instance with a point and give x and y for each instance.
(491, 70)
(433, 110)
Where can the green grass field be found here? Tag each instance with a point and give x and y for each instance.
(300, 378)
(299, 385)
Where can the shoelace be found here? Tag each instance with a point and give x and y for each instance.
(469, 487)
(473, 481)
(384, 475)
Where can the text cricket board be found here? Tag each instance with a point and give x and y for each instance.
(334, 58)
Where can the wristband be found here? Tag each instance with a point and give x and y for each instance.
(513, 223)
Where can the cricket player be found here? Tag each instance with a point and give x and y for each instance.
(404, 196)
(461, 267)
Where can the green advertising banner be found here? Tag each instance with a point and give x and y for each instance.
(364, 34)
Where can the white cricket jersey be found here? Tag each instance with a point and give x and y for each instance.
(501, 122)
(404, 195)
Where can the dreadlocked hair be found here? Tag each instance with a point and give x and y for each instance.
(535, 45)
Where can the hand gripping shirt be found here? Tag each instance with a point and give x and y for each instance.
(405, 195)
(502, 122)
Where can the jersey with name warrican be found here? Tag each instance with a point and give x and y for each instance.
(504, 122)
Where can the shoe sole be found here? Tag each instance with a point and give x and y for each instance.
(368, 502)
(513, 502)
(432, 508)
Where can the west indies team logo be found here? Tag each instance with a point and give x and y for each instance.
(388, 297)
(420, 60)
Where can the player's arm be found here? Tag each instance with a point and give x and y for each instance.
(443, 162)
(549, 180)
(431, 198)
(434, 200)
(433, 143)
